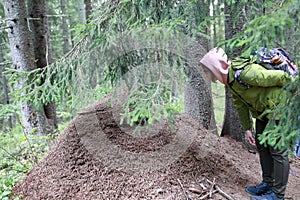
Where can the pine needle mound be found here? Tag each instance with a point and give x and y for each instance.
(74, 170)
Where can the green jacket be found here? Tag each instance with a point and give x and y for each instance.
(264, 94)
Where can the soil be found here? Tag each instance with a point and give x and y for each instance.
(80, 167)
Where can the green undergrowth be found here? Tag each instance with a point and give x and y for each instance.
(19, 156)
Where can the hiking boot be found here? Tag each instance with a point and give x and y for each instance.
(258, 190)
(269, 196)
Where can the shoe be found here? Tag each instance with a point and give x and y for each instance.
(269, 196)
(258, 190)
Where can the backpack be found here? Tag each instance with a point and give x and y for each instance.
(272, 59)
(276, 59)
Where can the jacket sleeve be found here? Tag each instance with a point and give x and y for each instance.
(257, 75)
(243, 112)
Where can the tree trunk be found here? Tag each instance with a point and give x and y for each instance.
(23, 60)
(4, 83)
(198, 96)
(42, 47)
(232, 125)
(64, 27)
(233, 24)
(81, 12)
(88, 8)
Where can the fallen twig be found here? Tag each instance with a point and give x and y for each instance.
(120, 189)
(195, 190)
(183, 190)
(218, 189)
(213, 184)
(201, 184)
(208, 194)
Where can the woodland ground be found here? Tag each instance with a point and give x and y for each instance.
(73, 168)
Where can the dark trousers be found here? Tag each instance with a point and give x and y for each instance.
(274, 163)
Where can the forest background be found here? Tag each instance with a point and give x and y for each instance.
(73, 60)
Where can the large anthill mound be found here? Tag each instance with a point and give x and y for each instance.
(79, 167)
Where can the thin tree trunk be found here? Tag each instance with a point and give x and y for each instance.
(42, 47)
(6, 97)
(64, 27)
(4, 83)
(81, 12)
(23, 60)
(88, 9)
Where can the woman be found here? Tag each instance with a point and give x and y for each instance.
(255, 90)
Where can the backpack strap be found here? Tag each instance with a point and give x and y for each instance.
(237, 77)
(238, 65)
(276, 59)
(250, 107)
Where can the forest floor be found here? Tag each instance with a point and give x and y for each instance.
(80, 165)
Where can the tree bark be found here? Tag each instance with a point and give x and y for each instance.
(198, 95)
(232, 125)
(64, 27)
(5, 86)
(42, 47)
(197, 98)
(234, 23)
(88, 9)
(23, 59)
(81, 12)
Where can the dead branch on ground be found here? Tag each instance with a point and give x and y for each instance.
(218, 189)
(183, 190)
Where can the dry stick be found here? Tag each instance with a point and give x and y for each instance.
(195, 190)
(212, 188)
(184, 192)
(120, 189)
(221, 191)
(205, 196)
(200, 183)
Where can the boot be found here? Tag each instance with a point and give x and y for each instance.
(259, 189)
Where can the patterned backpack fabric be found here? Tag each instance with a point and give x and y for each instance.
(276, 59)
(272, 59)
